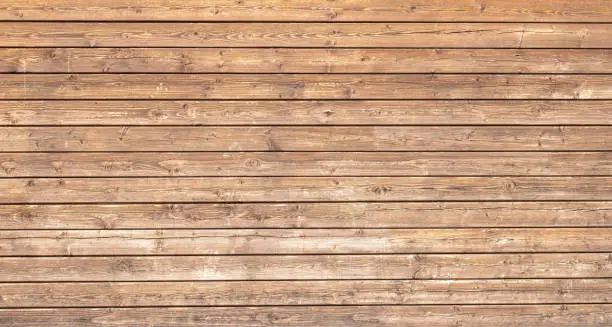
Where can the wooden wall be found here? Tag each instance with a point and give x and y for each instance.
(306, 163)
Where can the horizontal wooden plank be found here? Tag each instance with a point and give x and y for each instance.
(304, 164)
(567, 315)
(303, 189)
(307, 215)
(280, 60)
(304, 241)
(531, 291)
(309, 10)
(303, 86)
(313, 267)
(305, 138)
(398, 35)
(352, 112)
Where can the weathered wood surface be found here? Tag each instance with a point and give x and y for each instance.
(307, 215)
(565, 315)
(310, 10)
(287, 60)
(307, 189)
(220, 164)
(310, 267)
(304, 86)
(305, 138)
(117, 294)
(394, 35)
(296, 112)
(307, 241)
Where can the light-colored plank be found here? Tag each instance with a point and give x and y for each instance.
(310, 10)
(398, 35)
(305, 138)
(307, 215)
(305, 241)
(303, 189)
(280, 60)
(303, 86)
(354, 112)
(530, 291)
(304, 164)
(319, 267)
(595, 315)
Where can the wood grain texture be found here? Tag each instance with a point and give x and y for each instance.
(295, 35)
(306, 138)
(566, 315)
(296, 112)
(311, 267)
(304, 164)
(281, 60)
(307, 215)
(303, 86)
(303, 189)
(305, 241)
(310, 10)
(529, 291)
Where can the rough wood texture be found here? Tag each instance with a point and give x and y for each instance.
(310, 10)
(566, 315)
(304, 164)
(296, 112)
(527, 291)
(280, 60)
(308, 241)
(303, 86)
(306, 138)
(307, 215)
(319, 267)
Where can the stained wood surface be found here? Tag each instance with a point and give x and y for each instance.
(221, 164)
(280, 189)
(305, 163)
(303, 86)
(307, 138)
(563, 315)
(288, 60)
(296, 112)
(307, 215)
(310, 10)
(527, 291)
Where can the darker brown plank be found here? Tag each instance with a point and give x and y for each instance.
(532, 291)
(354, 112)
(403, 35)
(596, 315)
(173, 60)
(303, 189)
(304, 164)
(305, 241)
(306, 138)
(307, 215)
(296, 86)
(311, 267)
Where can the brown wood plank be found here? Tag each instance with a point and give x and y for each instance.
(303, 86)
(566, 315)
(312, 267)
(307, 215)
(304, 164)
(353, 112)
(530, 291)
(304, 241)
(305, 189)
(306, 138)
(404, 35)
(310, 10)
(280, 60)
